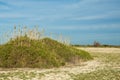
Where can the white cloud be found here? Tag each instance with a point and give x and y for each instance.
(88, 27)
(111, 14)
(89, 17)
(80, 4)
(11, 15)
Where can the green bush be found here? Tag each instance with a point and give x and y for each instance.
(44, 53)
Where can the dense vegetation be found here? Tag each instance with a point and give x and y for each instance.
(43, 53)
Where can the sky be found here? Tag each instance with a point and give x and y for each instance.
(82, 21)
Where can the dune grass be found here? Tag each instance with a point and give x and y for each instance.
(44, 53)
(105, 66)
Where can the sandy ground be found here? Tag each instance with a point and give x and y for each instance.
(56, 73)
(62, 73)
(101, 50)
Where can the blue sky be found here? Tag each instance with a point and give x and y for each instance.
(83, 21)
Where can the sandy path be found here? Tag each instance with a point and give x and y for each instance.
(57, 73)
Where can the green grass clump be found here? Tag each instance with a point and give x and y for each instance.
(105, 74)
(44, 53)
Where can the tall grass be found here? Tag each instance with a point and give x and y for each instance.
(30, 48)
(34, 34)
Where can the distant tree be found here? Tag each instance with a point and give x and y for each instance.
(96, 44)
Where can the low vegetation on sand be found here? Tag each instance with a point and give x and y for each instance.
(109, 68)
(104, 66)
(23, 51)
